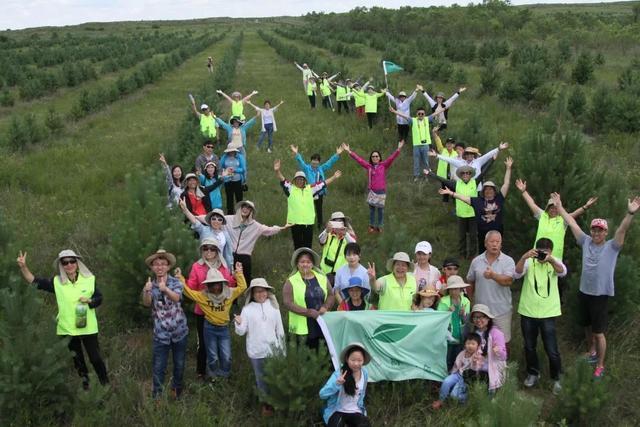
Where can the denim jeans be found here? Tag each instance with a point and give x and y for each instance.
(372, 216)
(420, 159)
(218, 342)
(454, 386)
(547, 328)
(268, 131)
(258, 370)
(160, 359)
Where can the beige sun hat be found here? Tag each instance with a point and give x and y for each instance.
(481, 308)
(68, 253)
(161, 253)
(300, 174)
(339, 215)
(249, 203)
(455, 282)
(402, 93)
(489, 184)
(472, 150)
(300, 251)
(465, 168)
(211, 241)
(188, 177)
(219, 212)
(260, 282)
(399, 256)
(360, 346)
(214, 276)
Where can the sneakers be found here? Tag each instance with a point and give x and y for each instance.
(531, 380)
(557, 388)
(371, 230)
(378, 229)
(591, 358)
(598, 373)
(268, 150)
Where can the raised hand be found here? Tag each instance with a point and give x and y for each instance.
(339, 150)
(445, 192)
(182, 204)
(634, 205)
(503, 146)
(238, 267)
(294, 149)
(342, 378)
(337, 174)
(371, 270)
(521, 185)
(148, 285)
(22, 259)
(162, 159)
(419, 87)
(462, 89)
(592, 201)
(346, 147)
(276, 165)
(556, 199)
(508, 162)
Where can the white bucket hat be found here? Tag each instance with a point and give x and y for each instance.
(259, 282)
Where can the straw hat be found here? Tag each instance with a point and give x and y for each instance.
(455, 282)
(399, 256)
(428, 291)
(472, 150)
(161, 253)
(188, 177)
(481, 308)
(360, 346)
(465, 168)
(300, 251)
(216, 211)
(489, 184)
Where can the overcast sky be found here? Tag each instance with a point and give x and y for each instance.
(16, 14)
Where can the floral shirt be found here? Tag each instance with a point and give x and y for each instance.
(169, 321)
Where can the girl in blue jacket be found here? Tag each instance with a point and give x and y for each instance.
(209, 177)
(346, 389)
(233, 163)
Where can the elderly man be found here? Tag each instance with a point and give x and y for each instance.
(490, 276)
(599, 258)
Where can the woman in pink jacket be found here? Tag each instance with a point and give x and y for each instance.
(377, 171)
(211, 258)
(493, 346)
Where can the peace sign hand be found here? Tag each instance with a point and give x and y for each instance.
(342, 378)
(371, 270)
(22, 259)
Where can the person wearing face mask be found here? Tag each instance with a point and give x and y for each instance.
(261, 322)
(397, 288)
(306, 294)
(77, 298)
(300, 208)
(539, 306)
(315, 172)
(599, 257)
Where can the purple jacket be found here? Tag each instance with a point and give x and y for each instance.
(377, 173)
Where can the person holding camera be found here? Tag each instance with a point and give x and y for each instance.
(539, 306)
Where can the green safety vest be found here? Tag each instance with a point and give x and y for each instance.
(470, 189)
(371, 103)
(553, 229)
(67, 297)
(341, 93)
(420, 132)
(300, 209)
(442, 165)
(544, 301)
(311, 88)
(333, 254)
(358, 96)
(207, 126)
(325, 88)
(298, 323)
(396, 297)
(237, 109)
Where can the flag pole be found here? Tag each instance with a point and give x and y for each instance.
(386, 82)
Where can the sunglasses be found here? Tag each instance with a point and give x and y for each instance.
(209, 248)
(217, 218)
(421, 114)
(68, 261)
(465, 173)
(374, 155)
(209, 146)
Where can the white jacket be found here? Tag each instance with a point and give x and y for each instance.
(263, 325)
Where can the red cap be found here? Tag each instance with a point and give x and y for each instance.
(599, 222)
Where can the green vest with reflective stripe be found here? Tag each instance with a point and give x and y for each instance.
(341, 93)
(208, 126)
(298, 323)
(420, 132)
(237, 109)
(469, 189)
(333, 254)
(358, 96)
(396, 297)
(370, 103)
(540, 297)
(300, 210)
(325, 88)
(67, 297)
(553, 229)
(442, 165)
(311, 88)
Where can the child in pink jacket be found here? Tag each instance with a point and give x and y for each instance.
(377, 176)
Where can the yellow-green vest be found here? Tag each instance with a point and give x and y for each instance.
(325, 88)
(237, 109)
(420, 131)
(208, 126)
(553, 229)
(341, 93)
(371, 103)
(311, 88)
(333, 252)
(358, 96)
(67, 297)
(300, 209)
(544, 301)
(396, 297)
(469, 189)
(298, 323)
(442, 165)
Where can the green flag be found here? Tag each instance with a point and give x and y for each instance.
(390, 67)
(403, 345)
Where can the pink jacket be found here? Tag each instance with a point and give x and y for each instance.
(497, 363)
(377, 173)
(197, 275)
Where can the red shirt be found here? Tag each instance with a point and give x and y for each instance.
(197, 207)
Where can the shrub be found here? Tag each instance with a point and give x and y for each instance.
(6, 98)
(583, 69)
(16, 135)
(582, 398)
(577, 102)
(54, 121)
(489, 78)
(510, 89)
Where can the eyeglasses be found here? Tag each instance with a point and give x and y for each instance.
(474, 318)
(217, 218)
(68, 261)
(209, 248)
(374, 155)
(421, 114)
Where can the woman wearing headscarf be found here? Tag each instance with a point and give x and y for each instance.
(77, 298)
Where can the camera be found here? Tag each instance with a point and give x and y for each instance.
(540, 255)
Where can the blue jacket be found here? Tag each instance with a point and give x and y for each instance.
(215, 196)
(243, 129)
(242, 169)
(331, 391)
(316, 174)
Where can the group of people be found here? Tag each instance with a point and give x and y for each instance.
(481, 307)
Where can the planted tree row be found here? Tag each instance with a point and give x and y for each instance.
(321, 40)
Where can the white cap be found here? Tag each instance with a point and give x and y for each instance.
(424, 247)
(204, 107)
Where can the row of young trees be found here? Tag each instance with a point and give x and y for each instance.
(321, 39)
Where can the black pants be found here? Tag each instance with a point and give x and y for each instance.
(201, 363)
(342, 419)
(317, 205)
(343, 104)
(245, 260)
(233, 189)
(312, 101)
(326, 102)
(547, 328)
(90, 343)
(403, 132)
(482, 234)
(302, 236)
(467, 227)
(371, 118)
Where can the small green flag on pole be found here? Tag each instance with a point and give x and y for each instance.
(390, 67)
(403, 345)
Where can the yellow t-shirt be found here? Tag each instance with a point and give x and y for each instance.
(216, 314)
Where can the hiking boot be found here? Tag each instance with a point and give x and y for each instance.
(378, 229)
(531, 380)
(557, 388)
(598, 373)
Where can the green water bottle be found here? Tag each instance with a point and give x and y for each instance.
(81, 315)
